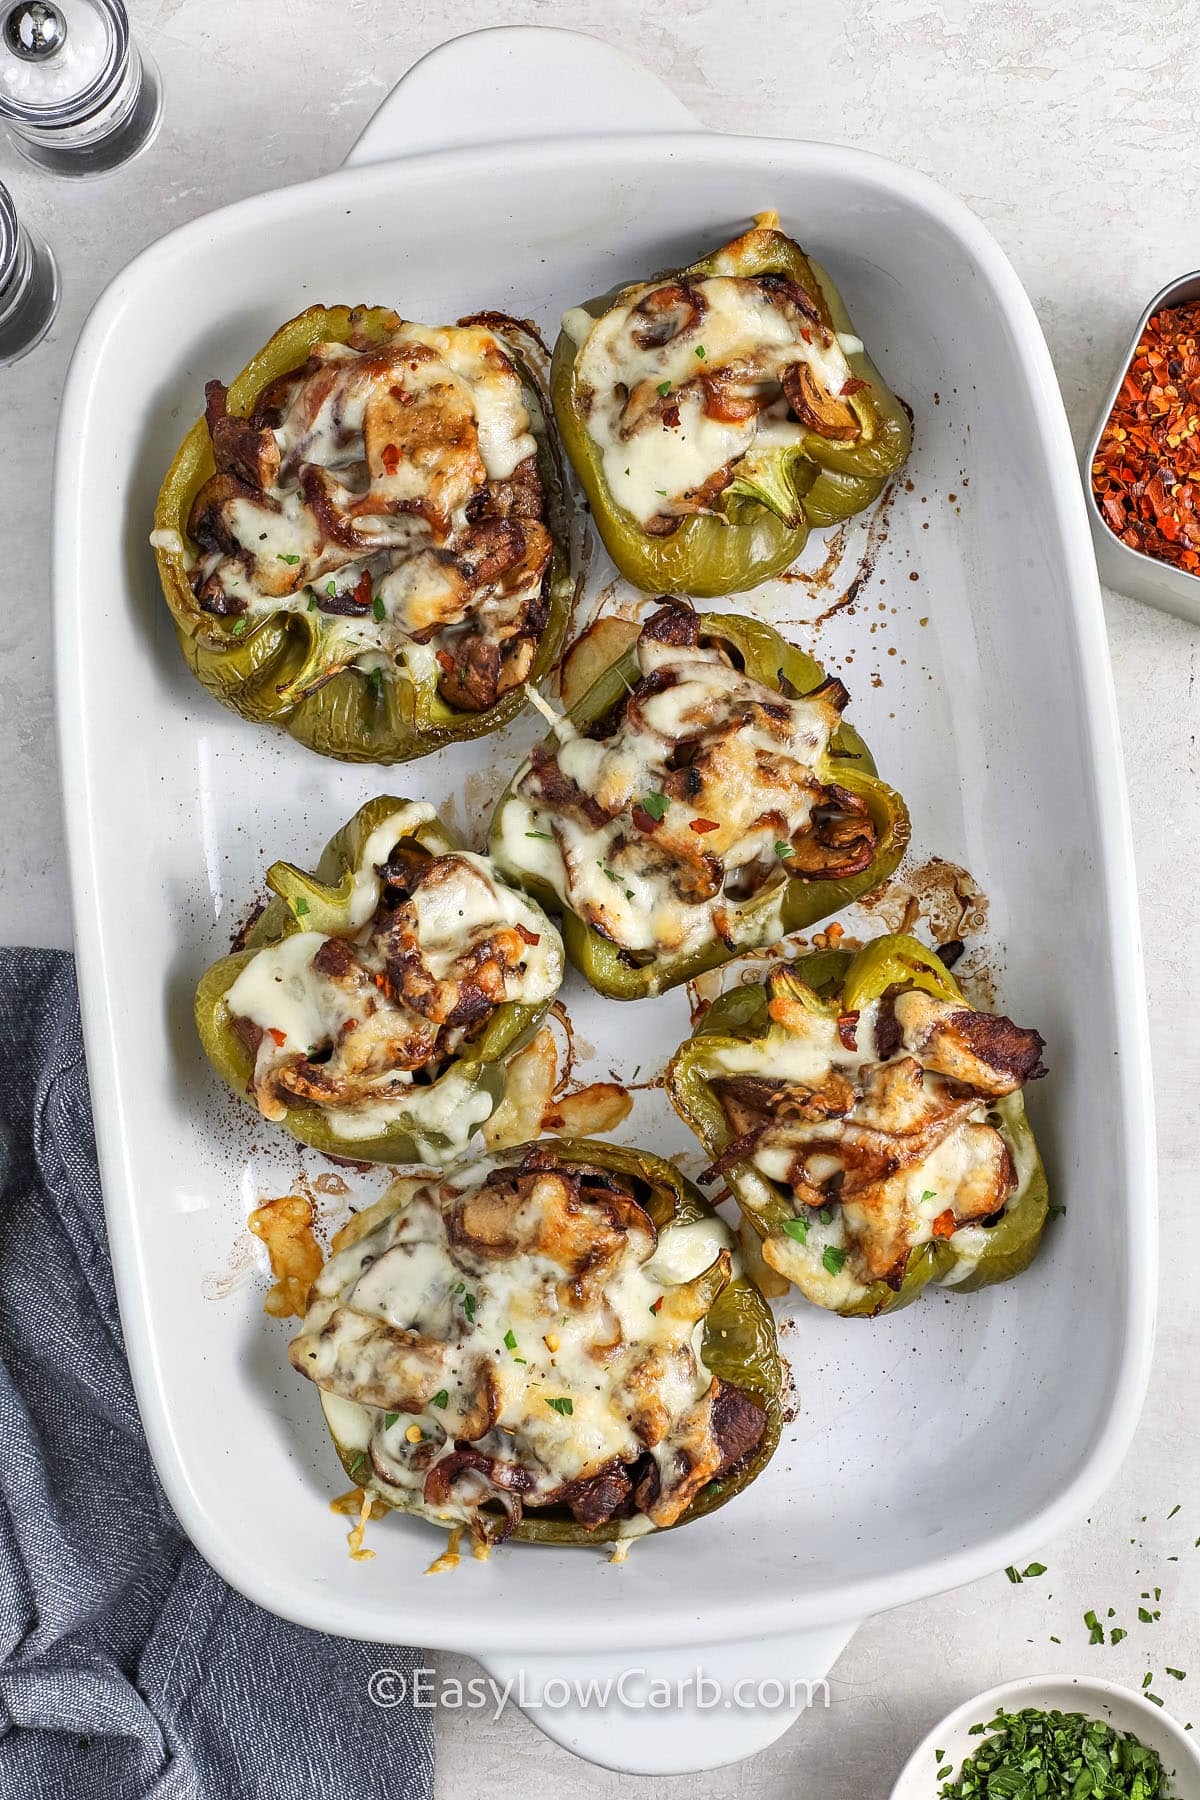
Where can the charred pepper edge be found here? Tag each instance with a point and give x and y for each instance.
(767, 657)
(739, 1016)
(739, 1311)
(707, 556)
(510, 1026)
(346, 718)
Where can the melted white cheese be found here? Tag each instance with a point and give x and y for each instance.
(622, 880)
(501, 1318)
(651, 465)
(298, 1009)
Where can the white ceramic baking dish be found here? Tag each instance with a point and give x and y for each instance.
(927, 1449)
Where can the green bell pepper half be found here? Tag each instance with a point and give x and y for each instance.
(767, 513)
(834, 982)
(321, 902)
(739, 1345)
(770, 659)
(262, 672)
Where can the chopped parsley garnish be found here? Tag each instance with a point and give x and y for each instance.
(661, 491)
(783, 848)
(1146, 1617)
(929, 1194)
(284, 557)
(1035, 1569)
(1094, 1626)
(389, 1419)
(560, 1404)
(833, 1258)
(331, 587)
(664, 388)
(300, 906)
(357, 1465)
(375, 683)
(469, 1304)
(441, 1398)
(1014, 1575)
(656, 805)
(701, 352)
(510, 1339)
(1118, 1634)
(239, 627)
(797, 1228)
(1175, 1674)
(312, 599)
(1173, 1511)
(1055, 1753)
(378, 608)
(548, 835)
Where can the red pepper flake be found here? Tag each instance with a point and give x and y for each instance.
(279, 1036)
(645, 821)
(943, 1225)
(670, 415)
(847, 1027)
(657, 1304)
(526, 936)
(703, 825)
(389, 456)
(1146, 471)
(446, 661)
(855, 385)
(362, 589)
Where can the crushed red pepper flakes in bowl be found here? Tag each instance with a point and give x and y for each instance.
(1146, 470)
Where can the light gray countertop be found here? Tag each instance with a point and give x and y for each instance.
(1072, 130)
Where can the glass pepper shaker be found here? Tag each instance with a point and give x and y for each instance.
(28, 285)
(76, 94)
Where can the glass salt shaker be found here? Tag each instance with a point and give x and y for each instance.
(28, 285)
(76, 94)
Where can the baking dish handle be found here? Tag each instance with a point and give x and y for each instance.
(670, 1712)
(513, 82)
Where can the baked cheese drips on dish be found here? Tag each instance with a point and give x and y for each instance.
(673, 823)
(685, 385)
(517, 1335)
(367, 1025)
(884, 1127)
(393, 490)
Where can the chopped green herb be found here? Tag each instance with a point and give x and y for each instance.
(561, 1405)
(357, 1465)
(300, 906)
(331, 587)
(1094, 1626)
(1176, 1674)
(833, 1258)
(1055, 1640)
(1145, 1616)
(664, 388)
(312, 599)
(714, 1487)
(1056, 1210)
(1118, 1635)
(1147, 1678)
(656, 805)
(1173, 1511)
(510, 1339)
(284, 557)
(460, 1287)
(469, 1304)
(1154, 1699)
(441, 1398)
(826, 1215)
(548, 835)
(1013, 1575)
(375, 683)
(797, 1228)
(1033, 1753)
(929, 1194)
(661, 491)
(238, 627)
(522, 1359)
(1035, 1569)
(389, 1419)
(378, 608)
(783, 848)
(701, 352)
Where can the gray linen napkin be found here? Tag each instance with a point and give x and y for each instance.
(128, 1670)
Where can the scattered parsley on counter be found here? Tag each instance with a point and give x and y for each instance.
(1031, 1753)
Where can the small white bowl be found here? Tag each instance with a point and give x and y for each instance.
(1119, 1707)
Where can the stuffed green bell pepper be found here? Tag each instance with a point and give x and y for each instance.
(871, 1125)
(376, 1002)
(715, 413)
(365, 538)
(581, 1360)
(703, 797)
